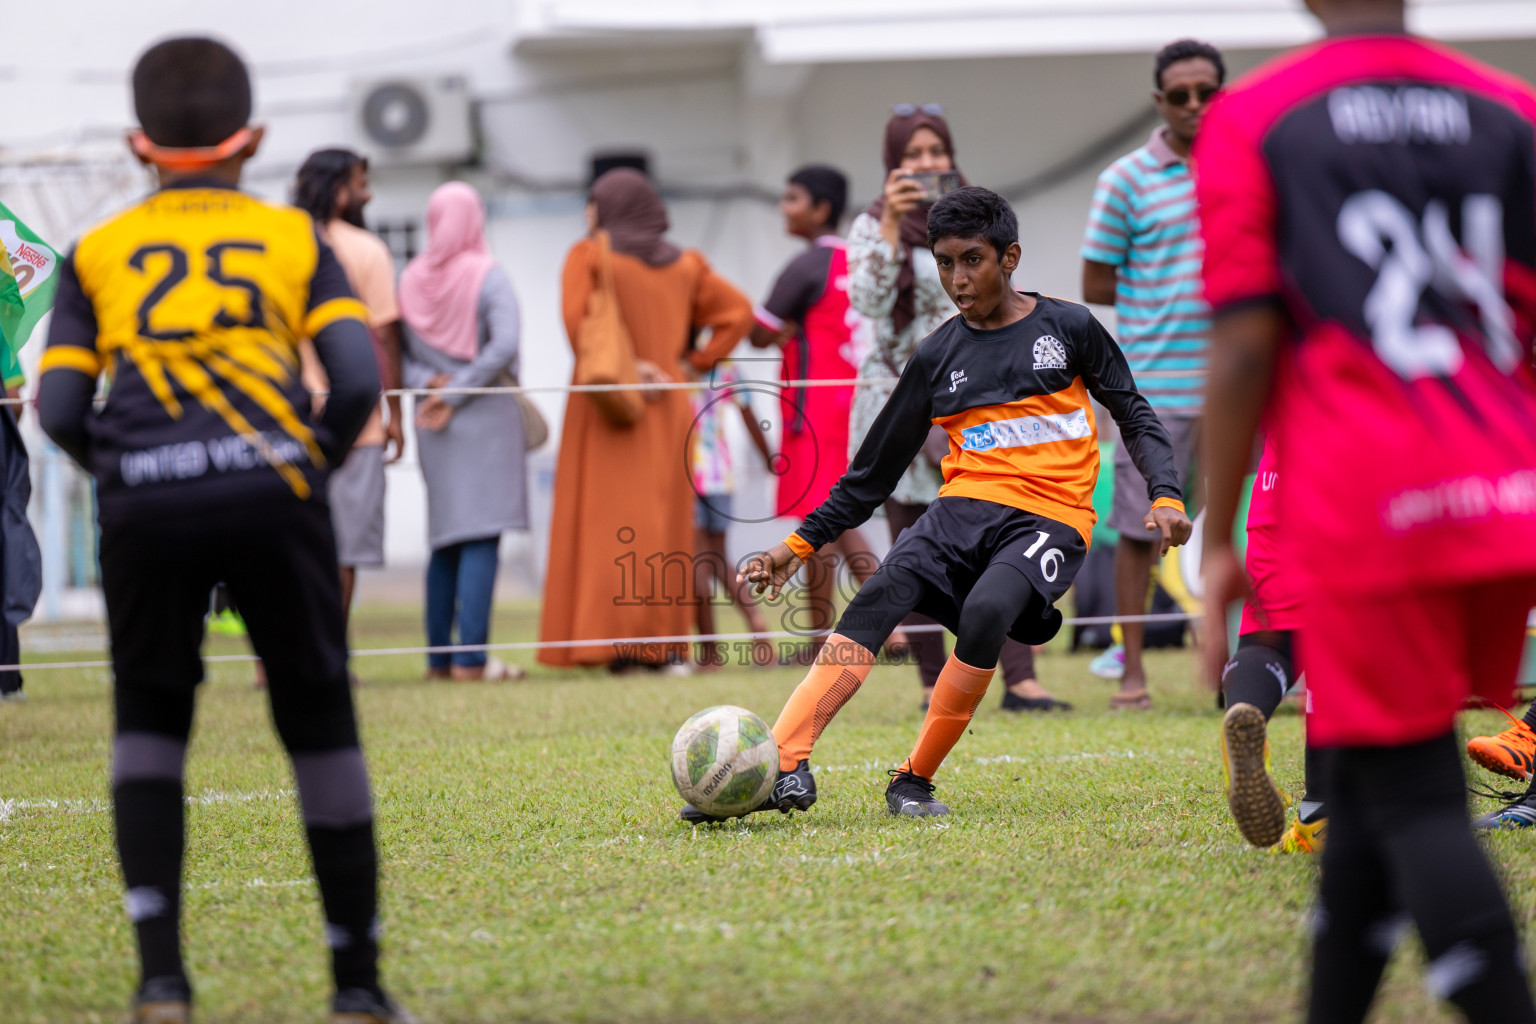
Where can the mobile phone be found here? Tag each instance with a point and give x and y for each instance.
(936, 183)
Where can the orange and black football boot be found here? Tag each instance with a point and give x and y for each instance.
(1511, 753)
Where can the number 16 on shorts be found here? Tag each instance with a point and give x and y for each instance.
(1048, 553)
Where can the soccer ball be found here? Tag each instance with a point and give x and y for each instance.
(725, 761)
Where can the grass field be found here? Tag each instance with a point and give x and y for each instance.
(534, 869)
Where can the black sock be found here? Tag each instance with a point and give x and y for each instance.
(1530, 715)
(1257, 675)
(150, 837)
(1496, 988)
(347, 868)
(1315, 787)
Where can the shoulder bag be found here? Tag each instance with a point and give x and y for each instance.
(605, 354)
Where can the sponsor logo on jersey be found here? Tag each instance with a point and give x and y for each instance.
(1026, 431)
(1050, 354)
(955, 380)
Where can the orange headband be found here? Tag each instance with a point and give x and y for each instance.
(189, 159)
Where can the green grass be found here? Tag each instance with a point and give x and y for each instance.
(533, 869)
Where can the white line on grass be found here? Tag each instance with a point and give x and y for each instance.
(70, 805)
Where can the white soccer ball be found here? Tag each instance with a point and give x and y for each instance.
(725, 761)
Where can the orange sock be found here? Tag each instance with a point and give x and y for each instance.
(841, 668)
(955, 698)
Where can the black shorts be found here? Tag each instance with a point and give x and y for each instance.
(278, 559)
(958, 539)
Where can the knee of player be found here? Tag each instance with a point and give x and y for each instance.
(147, 757)
(988, 615)
(333, 788)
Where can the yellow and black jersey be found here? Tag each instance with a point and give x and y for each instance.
(192, 302)
(1015, 404)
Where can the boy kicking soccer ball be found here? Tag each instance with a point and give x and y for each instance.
(209, 468)
(1009, 379)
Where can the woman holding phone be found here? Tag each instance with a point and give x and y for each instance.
(893, 280)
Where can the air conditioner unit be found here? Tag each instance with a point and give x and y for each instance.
(402, 121)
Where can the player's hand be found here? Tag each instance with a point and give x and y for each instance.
(1225, 581)
(1172, 524)
(902, 194)
(433, 413)
(770, 570)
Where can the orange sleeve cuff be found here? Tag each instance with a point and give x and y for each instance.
(1173, 503)
(70, 357)
(798, 545)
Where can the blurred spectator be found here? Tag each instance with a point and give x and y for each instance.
(332, 186)
(21, 565)
(808, 315)
(462, 331)
(714, 482)
(1142, 253)
(893, 280)
(623, 507)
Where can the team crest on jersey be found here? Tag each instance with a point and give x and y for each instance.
(1050, 354)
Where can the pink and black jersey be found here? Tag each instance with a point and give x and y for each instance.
(812, 292)
(1382, 190)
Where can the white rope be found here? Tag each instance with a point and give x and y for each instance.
(615, 642)
(589, 389)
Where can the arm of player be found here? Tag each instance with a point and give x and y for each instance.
(70, 367)
(893, 441)
(1109, 380)
(799, 284)
(337, 325)
(346, 352)
(1245, 343)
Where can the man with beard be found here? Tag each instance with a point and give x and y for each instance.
(332, 187)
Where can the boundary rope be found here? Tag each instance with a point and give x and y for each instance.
(534, 645)
(587, 389)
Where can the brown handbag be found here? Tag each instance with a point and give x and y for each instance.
(605, 354)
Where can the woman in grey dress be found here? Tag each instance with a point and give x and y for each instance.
(461, 331)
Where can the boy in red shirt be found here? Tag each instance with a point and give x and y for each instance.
(1370, 227)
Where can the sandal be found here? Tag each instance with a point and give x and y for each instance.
(1130, 700)
(493, 671)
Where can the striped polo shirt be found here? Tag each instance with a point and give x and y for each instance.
(1144, 222)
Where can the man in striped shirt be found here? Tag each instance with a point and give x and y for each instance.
(1142, 254)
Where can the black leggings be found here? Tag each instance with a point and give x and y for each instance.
(1018, 659)
(991, 608)
(1400, 847)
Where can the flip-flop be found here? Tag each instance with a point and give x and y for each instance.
(498, 671)
(1133, 700)
(495, 671)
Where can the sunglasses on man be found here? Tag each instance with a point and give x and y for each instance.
(1179, 95)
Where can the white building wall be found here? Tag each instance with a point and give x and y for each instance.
(718, 119)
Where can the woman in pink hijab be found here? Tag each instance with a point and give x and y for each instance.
(461, 331)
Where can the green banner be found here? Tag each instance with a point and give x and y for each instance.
(29, 275)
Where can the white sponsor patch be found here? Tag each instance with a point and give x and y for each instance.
(1026, 431)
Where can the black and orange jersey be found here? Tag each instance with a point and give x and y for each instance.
(192, 302)
(1015, 403)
